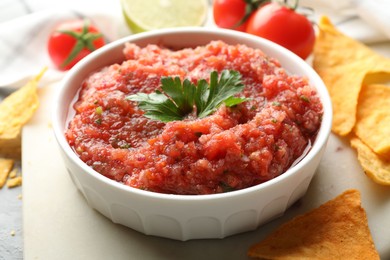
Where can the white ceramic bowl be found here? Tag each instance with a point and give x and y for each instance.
(184, 217)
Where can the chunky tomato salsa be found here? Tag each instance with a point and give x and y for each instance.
(233, 148)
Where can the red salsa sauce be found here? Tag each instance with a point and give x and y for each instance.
(234, 148)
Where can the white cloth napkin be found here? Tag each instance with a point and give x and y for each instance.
(365, 20)
(23, 40)
(25, 26)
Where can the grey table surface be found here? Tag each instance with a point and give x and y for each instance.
(11, 245)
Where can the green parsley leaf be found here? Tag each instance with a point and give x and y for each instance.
(177, 99)
(157, 106)
(233, 101)
(209, 97)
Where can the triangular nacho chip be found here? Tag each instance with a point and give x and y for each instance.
(373, 118)
(15, 111)
(375, 166)
(6, 166)
(337, 229)
(18, 108)
(343, 64)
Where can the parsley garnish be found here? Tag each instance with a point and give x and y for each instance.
(176, 99)
(225, 187)
(305, 98)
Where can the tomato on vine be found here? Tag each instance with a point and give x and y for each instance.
(71, 41)
(229, 13)
(277, 21)
(282, 25)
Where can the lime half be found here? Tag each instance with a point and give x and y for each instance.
(146, 15)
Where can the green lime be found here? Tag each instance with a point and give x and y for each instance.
(146, 15)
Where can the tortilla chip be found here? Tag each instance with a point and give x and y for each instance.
(373, 118)
(13, 173)
(15, 111)
(343, 63)
(11, 148)
(6, 166)
(337, 229)
(375, 166)
(15, 182)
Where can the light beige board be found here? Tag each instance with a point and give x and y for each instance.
(58, 224)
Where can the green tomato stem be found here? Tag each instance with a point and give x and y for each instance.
(84, 39)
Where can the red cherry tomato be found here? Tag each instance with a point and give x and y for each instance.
(71, 41)
(284, 26)
(229, 13)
